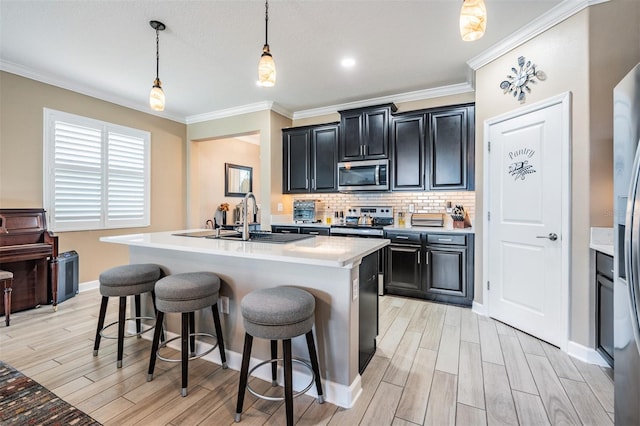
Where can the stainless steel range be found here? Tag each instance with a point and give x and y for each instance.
(364, 221)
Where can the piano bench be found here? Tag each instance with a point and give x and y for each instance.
(6, 278)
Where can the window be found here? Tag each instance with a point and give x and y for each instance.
(96, 174)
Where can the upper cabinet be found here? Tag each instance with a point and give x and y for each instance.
(433, 149)
(364, 133)
(310, 155)
(450, 148)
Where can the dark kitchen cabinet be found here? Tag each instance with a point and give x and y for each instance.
(310, 155)
(604, 306)
(311, 230)
(450, 148)
(449, 260)
(404, 267)
(315, 230)
(433, 266)
(283, 229)
(364, 133)
(368, 310)
(408, 146)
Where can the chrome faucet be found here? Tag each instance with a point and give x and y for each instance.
(245, 209)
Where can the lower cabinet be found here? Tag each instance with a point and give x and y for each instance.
(431, 266)
(604, 306)
(368, 310)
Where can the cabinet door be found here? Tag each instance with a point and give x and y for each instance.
(376, 133)
(605, 316)
(449, 149)
(407, 147)
(295, 168)
(351, 136)
(324, 158)
(404, 269)
(446, 272)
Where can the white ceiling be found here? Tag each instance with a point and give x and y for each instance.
(210, 49)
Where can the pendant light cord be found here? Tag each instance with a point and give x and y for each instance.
(266, 22)
(157, 54)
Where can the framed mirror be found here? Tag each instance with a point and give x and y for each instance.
(238, 180)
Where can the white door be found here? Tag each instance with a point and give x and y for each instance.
(528, 170)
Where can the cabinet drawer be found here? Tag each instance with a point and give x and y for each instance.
(314, 231)
(404, 237)
(457, 240)
(604, 265)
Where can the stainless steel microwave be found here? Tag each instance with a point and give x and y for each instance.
(363, 175)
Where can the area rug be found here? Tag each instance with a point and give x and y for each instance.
(24, 401)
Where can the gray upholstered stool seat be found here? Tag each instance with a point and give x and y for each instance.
(279, 313)
(122, 281)
(187, 293)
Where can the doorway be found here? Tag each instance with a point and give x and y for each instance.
(528, 236)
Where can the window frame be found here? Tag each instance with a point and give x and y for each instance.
(106, 219)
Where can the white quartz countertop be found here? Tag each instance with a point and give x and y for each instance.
(317, 250)
(602, 240)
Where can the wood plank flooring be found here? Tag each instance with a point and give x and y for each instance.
(435, 365)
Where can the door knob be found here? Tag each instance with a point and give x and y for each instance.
(552, 236)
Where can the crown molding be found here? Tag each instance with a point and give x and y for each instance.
(562, 11)
(453, 89)
(62, 83)
(239, 110)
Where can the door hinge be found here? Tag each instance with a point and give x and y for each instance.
(488, 285)
(489, 146)
(488, 215)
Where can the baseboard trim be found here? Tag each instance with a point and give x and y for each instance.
(479, 309)
(89, 285)
(586, 354)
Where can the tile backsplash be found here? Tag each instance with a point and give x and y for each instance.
(424, 202)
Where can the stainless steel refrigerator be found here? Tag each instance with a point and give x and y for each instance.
(626, 157)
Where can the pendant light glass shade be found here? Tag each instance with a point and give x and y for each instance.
(156, 97)
(266, 65)
(266, 68)
(473, 19)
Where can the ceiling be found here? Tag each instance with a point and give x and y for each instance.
(210, 49)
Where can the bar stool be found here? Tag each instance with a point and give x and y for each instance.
(279, 313)
(6, 277)
(186, 293)
(123, 281)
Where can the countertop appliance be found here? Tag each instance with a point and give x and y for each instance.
(308, 211)
(363, 175)
(626, 135)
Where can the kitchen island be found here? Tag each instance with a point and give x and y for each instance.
(328, 267)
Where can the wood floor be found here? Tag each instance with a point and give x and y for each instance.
(435, 365)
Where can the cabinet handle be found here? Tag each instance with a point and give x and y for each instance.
(306, 183)
(314, 233)
(284, 231)
(419, 258)
(402, 237)
(313, 183)
(426, 258)
(445, 239)
(361, 150)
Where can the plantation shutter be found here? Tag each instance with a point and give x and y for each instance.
(96, 174)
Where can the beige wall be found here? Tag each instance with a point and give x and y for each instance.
(572, 56)
(211, 158)
(21, 151)
(268, 125)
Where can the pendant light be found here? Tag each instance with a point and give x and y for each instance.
(266, 66)
(473, 19)
(156, 97)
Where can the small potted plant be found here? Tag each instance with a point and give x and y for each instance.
(224, 208)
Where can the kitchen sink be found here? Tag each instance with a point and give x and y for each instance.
(265, 237)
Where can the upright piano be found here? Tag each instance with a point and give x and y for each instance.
(30, 251)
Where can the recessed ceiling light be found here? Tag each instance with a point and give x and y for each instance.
(348, 62)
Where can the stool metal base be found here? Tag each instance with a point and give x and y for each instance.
(126, 334)
(192, 356)
(275, 383)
